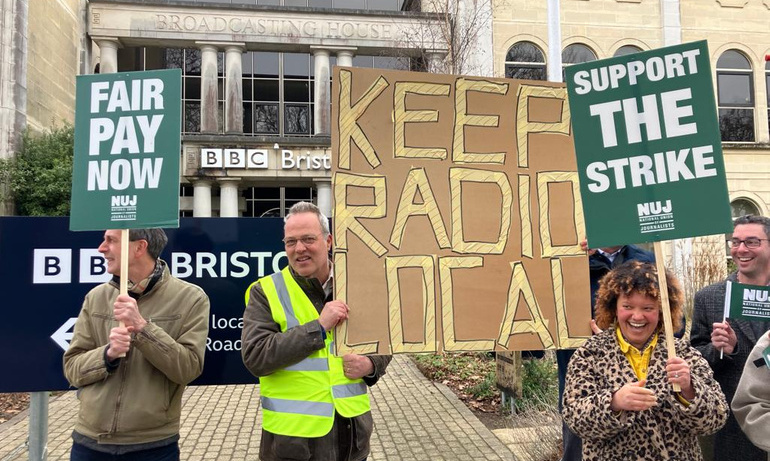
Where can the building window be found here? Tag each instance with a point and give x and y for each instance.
(185, 190)
(189, 60)
(743, 206)
(278, 90)
(525, 61)
(735, 97)
(575, 54)
(277, 93)
(274, 202)
(626, 50)
(298, 94)
(381, 62)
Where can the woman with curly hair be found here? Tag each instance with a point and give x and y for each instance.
(618, 395)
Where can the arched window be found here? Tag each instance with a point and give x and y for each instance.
(740, 207)
(575, 54)
(627, 49)
(526, 61)
(743, 206)
(735, 97)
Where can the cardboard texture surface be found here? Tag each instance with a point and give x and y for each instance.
(457, 214)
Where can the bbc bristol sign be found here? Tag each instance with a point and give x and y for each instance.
(261, 159)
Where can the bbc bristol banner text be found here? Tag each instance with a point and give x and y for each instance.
(49, 270)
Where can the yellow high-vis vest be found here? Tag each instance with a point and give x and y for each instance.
(301, 399)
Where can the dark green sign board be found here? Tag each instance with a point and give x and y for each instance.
(648, 146)
(127, 148)
(747, 302)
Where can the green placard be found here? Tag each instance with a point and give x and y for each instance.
(747, 302)
(648, 146)
(127, 149)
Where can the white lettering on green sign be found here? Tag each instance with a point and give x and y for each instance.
(146, 94)
(755, 295)
(124, 135)
(648, 116)
(655, 68)
(119, 174)
(643, 170)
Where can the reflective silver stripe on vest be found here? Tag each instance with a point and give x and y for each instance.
(300, 407)
(310, 364)
(331, 348)
(348, 390)
(283, 296)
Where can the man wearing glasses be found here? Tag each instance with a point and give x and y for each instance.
(315, 406)
(727, 344)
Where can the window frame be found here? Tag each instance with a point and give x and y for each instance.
(531, 65)
(728, 111)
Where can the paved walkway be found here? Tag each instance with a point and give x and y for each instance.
(414, 419)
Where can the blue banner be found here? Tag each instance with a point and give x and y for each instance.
(47, 270)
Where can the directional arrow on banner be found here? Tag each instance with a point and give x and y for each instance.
(63, 335)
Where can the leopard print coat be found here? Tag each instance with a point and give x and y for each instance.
(668, 431)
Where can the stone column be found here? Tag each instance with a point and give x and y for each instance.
(209, 100)
(234, 91)
(345, 57)
(671, 22)
(763, 129)
(108, 54)
(554, 64)
(324, 196)
(202, 199)
(228, 197)
(321, 100)
(435, 60)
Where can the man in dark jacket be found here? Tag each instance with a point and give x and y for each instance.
(600, 262)
(727, 345)
(315, 406)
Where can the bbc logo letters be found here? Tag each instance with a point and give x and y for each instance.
(55, 265)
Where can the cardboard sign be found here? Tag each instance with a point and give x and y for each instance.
(747, 302)
(648, 145)
(457, 217)
(127, 149)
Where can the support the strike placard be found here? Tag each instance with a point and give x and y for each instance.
(127, 144)
(648, 146)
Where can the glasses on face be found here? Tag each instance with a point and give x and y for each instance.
(751, 242)
(306, 240)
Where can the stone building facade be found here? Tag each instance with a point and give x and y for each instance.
(256, 131)
(738, 39)
(43, 48)
(256, 74)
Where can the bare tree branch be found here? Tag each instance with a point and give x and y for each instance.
(457, 30)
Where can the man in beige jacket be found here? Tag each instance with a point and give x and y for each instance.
(130, 378)
(751, 404)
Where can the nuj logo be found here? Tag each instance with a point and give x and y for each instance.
(124, 200)
(755, 295)
(653, 208)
